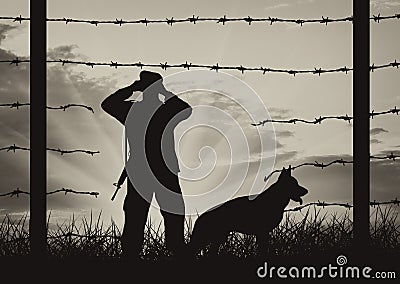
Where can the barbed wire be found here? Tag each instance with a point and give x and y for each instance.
(15, 61)
(316, 121)
(391, 156)
(195, 19)
(324, 204)
(61, 151)
(216, 67)
(343, 162)
(17, 105)
(16, 192)
(68, 190)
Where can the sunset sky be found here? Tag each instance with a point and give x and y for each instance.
(286, 46)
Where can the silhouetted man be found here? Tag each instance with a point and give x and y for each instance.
(152, 165)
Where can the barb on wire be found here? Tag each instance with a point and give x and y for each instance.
(394, 201)
(68, 190)
(216, 67)
(391, 156)
(316, 121)
(64, 107)
(14, 148)
(17, 192)
(324, 204)
(394, 110)
(15, 61)
(18, 19)
(17, 105)
(315, 164)
(343, 162)
(61, 151)
(195, 19)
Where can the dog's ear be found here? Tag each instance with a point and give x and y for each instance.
(284, 172)
(290, 169)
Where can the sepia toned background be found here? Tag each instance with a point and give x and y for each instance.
(286, 46)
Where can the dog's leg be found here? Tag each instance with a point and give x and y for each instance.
(216, 243)
(263, 240)
(214, 248)
(196, 242)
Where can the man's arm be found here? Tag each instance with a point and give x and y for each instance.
(180, 107)
(115, 104)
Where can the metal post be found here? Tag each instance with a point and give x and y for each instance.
(38, 125)
(361, 108)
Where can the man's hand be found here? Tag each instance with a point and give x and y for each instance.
(167, 94)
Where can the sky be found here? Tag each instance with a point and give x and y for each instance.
(285, 46)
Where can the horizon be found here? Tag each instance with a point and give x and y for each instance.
(281, 45)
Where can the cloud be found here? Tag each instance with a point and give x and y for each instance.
(390, 152)
(385, 179)
(279, 145)
(277, 6)
(65, 52)
(284, 134)
(284, 157)
(335, 183)
(375, 141)
(384, 4)
(14, 128)
(4, 29)
(279, 113)
(72, 129)
(305, 1)
(378, 130)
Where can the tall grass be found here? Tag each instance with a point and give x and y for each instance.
(305, 235)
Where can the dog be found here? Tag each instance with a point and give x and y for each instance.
(254, 216)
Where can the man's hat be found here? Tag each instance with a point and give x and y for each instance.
(147, 78)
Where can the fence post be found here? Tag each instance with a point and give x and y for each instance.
(38, 125)
(361, 130)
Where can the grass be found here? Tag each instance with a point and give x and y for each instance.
(314, 233)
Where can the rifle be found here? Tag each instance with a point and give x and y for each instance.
(118, 184)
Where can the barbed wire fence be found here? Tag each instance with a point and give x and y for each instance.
(317, 121)
(197, 19)
(341, 161)
(324, 204)
(16, 192)
(215, 67)
(14, 148)
(17, 105)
